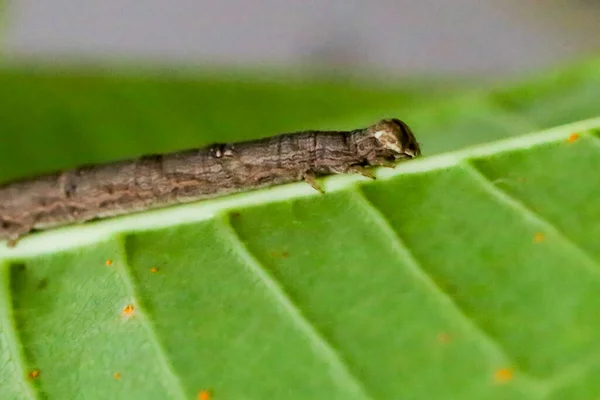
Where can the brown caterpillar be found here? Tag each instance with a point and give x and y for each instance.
(106, 190)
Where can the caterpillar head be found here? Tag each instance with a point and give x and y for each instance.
(396, 137)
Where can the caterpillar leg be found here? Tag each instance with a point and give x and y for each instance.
(382, 162)
(361, 170)
(311, 179)
(12, 231)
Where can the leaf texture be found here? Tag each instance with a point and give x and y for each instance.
(472, 274)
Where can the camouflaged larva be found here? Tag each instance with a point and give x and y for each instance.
(107, 190)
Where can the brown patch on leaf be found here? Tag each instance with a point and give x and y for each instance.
(443, 337)
(279, 254)
(43, 284)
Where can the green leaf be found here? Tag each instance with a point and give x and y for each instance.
(470, 274)
(427, 282)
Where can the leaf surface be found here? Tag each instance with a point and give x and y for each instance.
(469, 274)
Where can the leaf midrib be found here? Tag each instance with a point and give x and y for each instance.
(76, 236)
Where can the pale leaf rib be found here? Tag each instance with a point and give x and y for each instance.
(123, 267)
(595, 138)
(520, 208)
(570, 372)
(74, 236)
(339, 369)
(573, 373)
(9, 330)
(532, 385)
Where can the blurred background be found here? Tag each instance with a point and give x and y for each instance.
(91, 81)
(473, 38)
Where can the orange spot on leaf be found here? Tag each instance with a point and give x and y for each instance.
(539, 237)
(34, 374)
(443, 337)
(282, 254)
(204, 395)
(503, 375)
(153, 269)
(128, 310)
(117, 375)
(573, 137)
(108, 263)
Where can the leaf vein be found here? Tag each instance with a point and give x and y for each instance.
(529, 383)
(573, 371)
(124, 270)
(503, 197)
(340, 371)
(9, 330)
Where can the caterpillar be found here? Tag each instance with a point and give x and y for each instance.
(160, 180)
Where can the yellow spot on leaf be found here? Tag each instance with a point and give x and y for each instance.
(503, 375)
(117, 375)
(153, 269)
(108, 263)
(128, 310)
(34, 374)
(573, 137)
(204, 395)
(539, 237)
